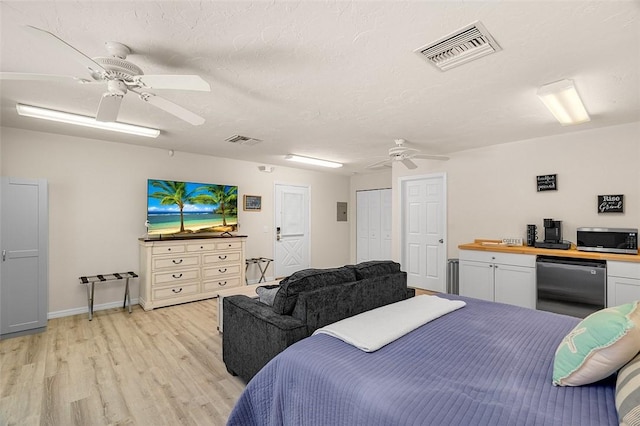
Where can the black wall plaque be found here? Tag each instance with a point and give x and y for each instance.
(611, 203)
(547, 182)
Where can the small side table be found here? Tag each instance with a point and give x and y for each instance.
(92, 280)
(263, 264)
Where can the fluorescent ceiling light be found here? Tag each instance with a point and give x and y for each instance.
(563, 101)
(83, 120)
(314, 161)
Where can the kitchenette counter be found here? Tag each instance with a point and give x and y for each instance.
(496, 246)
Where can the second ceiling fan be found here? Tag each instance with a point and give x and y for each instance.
(404, 154)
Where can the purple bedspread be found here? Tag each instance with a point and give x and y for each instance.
(485, 364)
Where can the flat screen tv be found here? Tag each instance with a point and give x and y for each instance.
(185, 208)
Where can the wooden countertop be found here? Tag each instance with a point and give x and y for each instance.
(490, 245)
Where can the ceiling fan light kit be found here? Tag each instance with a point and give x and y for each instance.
(83, 120)
(562, 99)
(312, 161)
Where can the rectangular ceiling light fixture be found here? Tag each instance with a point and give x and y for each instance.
(562, 99)
(313, 161)
(83, 120)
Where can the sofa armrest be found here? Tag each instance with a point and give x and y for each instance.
(254, 334)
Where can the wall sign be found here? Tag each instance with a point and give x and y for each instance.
(611, 203)
(547, 182)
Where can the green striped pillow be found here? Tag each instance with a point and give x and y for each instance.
(628, 393)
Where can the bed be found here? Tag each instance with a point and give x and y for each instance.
(485, 364)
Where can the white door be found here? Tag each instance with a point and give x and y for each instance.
(24, 263)
(424, 248)
(292, 229)
(373, 227)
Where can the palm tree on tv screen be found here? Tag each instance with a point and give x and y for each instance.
(173, 193)
(225, 197)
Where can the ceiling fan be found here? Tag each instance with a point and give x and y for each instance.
(120, 75)
(404, 154)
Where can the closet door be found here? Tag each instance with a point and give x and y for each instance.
(373, 228)
(24, 264)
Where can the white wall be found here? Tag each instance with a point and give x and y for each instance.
(491, 192)
(97, 205)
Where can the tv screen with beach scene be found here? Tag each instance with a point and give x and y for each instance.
(182, 208)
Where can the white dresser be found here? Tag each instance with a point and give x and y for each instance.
(178, 271)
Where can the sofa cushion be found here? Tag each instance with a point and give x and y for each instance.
(267, 293)
(375, 268)
(308, 280)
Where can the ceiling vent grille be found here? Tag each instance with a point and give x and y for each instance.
(242, 140)
(462, 46)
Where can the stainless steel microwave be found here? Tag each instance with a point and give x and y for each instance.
(608, 240)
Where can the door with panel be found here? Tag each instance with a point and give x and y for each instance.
(423, 243)
(24, 230)
(292, 250)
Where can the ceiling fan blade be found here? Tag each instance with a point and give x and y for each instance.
(431, 157)
(409, 164)
(379, 164)
(177, 82)
(44, 77)
(109, 107)
(56, 43)
(172, 108)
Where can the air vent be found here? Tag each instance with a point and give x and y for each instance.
(242, 140)
(465, 45)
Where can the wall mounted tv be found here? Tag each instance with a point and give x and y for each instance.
(183, 208)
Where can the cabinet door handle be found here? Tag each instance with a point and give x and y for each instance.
(176, 291)
(179, 276)
(222, 271)
(177, 263)
(222, 257)
(221, 284)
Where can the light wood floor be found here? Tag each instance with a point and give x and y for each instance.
(162, 367)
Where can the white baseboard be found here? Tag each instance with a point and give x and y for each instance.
(85, 310)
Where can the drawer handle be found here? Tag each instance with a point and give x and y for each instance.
(201, 247)
(179, 276)
(222, 271)
(222, 284)
(222, 257)
(169, 249)
(229, 245)
(176, 263)
(176, 291)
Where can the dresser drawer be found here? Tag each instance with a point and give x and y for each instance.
(221, 271)
(229, 245)
(168, 249)
(176, 291)
(175, 277)
(175, 262)
(205, 246)
(221, 283)
(221, 258)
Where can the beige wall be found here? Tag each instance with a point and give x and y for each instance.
(97, 205)
(491, 192)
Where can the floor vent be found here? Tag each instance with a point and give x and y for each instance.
(465, 45)
(242, 140)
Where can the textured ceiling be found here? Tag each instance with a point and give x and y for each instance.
(332, 79)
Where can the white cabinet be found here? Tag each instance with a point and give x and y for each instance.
(179, 271)
(623, 282)
(500, 277)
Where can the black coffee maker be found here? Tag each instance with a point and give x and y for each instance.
(552, 231)
(553, 236)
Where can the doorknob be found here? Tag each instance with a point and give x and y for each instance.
(4, 255)
(278, 233)
(441, 241)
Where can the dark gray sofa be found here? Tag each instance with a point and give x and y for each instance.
(255, 332)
